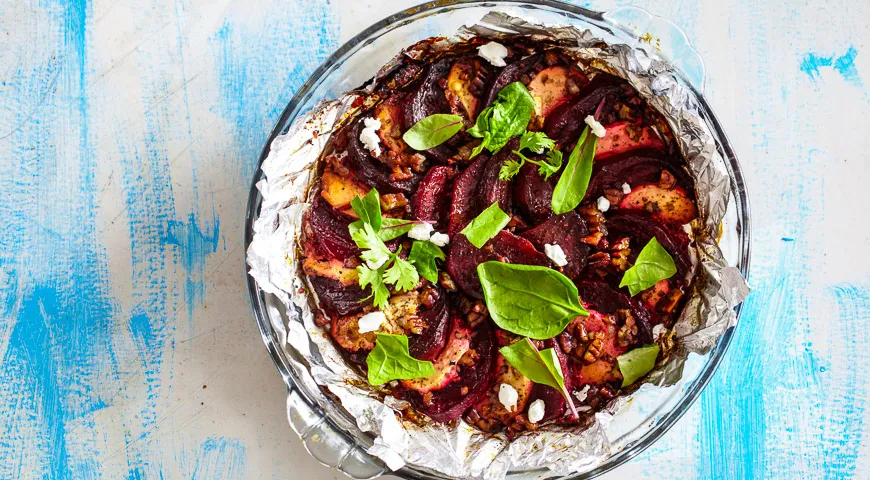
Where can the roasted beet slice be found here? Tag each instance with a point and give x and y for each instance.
(566, 123)
(605, 299)
(337, 299)
(640, 226)
(533, 194)
(566, 231)
(328, 231)
(431, 342)
(511, 74)
(622, 137)
(463, 258)
(465, 205)
(372, 171)
(491, 188)
(428, 99)
(431, 201)
(474, 381)
(635, 168)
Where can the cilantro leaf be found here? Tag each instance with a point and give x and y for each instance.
(511, 168)
(391, 360)
(486, 225)
(536, 142)
(380, 294)
(368, 209)
(375, 252)
(551, 165)
(654, 263)
(423, 256)
(402, 274)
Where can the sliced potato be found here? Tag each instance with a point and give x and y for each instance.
(671, 206)
(390, 115)
(492, 407)
(330, 268)
(447, 363)
(458, 91)
(338, 191)
(549, 88)
(622, 137)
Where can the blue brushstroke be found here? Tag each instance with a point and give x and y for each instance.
(812, 63)
(221, 457)
(195, 247)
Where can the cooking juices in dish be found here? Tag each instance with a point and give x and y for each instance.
(499, 235)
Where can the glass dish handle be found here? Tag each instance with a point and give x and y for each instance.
(662, 38)
(327, 445)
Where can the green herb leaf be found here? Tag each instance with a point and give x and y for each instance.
(535, 302)
(654, 263)
(551, 165)
(507, 117)
(380, 294)
(391, 360)
(486, 225)
(390, 228)
(536, 142)
(368, 209)
(538, 366)
(402, 274)
(572, 185)
(374, 250)
(510, 169)
(637, 363)
(432, 131)
(423, 256)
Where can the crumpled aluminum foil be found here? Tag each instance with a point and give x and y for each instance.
(463, 451)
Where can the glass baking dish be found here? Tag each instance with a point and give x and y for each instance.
(328, 432)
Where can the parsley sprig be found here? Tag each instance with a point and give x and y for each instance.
(536, 142)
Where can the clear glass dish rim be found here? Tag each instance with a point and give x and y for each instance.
(291, 112)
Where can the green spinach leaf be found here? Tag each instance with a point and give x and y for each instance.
(538, 366)
(368, 209)
(432, 131)
(654, 263)
(486, 225)
(423, 256)
(636, 363)
(507, 117)
(391, 360)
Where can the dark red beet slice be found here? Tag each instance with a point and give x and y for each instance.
(565, 231)
(640, 226)
(566, 123)
(449, 403)
(511, 74)
(329, 231)
(605, 299)
(431, 342)
(533, 194)
(491, 188)
(465, 205)
(429, 99)
(337, 299)
(371, 171)
(431, 202)
(635, 168)
(463, 258)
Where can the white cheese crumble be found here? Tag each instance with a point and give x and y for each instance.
(508, 396)
(421, 231)
(626, 188)
(376, 265)
(536, 411)
(603, 204)
(440, 239)
(369, 135)
(596, 127)
(494, 53)
(658, 331)
(371, 322)
(556, 254)
(581, 395)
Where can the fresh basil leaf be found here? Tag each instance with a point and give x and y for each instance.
(507, 117)
(368, 209)
(402, 274)
(532, 301)
(432, 131)
(572, 185)
(391, 360)
(636, 363)
(423, 255)
(374, 277)
(654, 263)
(486, 225)
(538, 366)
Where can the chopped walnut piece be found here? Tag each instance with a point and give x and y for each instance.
(391, 201)
(445, 281)
(595, 222)
(667, 180)
(627, 333)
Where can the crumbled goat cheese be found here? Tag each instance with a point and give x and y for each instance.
(556, 254)
(603, 204)
(376, 265)
(536, 411)
(581, 395)
(440, 239)
(494, 53)
(658, 331)
(508, 396)
(369, 135)
(596, 127)
(371, 322)
(421, 231)
(626, 188)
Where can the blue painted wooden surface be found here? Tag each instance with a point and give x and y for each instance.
(129, 132)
